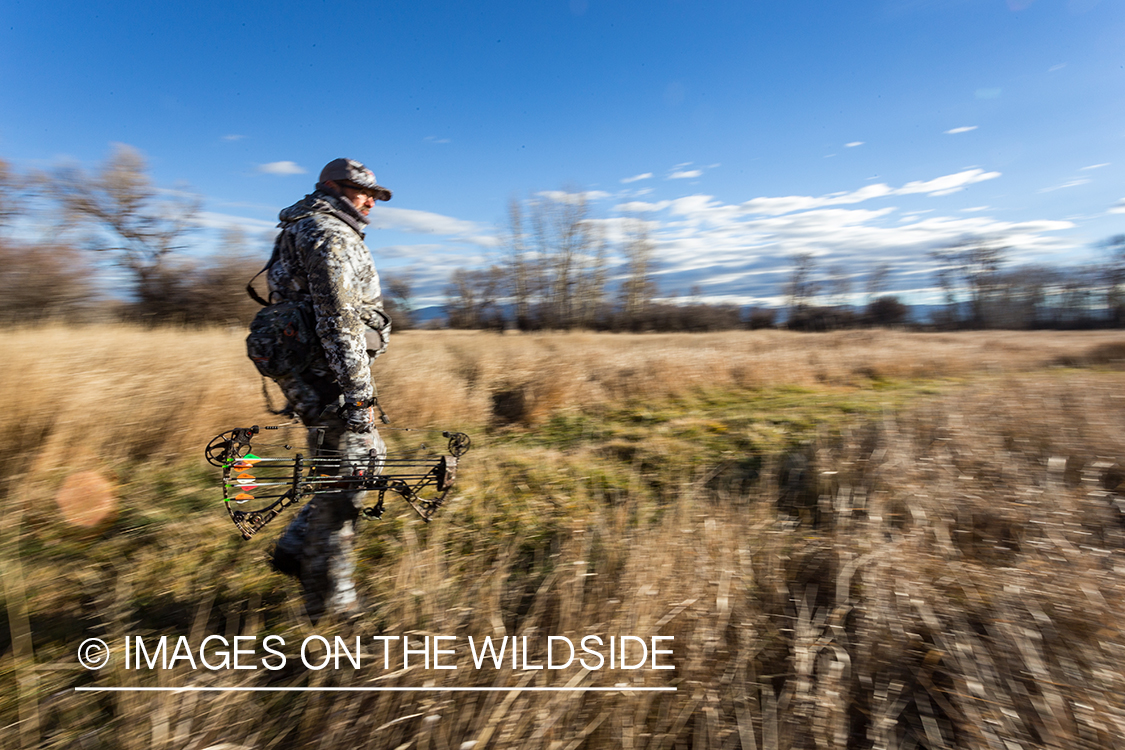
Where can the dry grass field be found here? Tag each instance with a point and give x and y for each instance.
(868, 539)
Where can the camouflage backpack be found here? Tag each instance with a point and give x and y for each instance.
(283, 338)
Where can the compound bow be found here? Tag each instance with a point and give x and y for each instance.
(273, 484)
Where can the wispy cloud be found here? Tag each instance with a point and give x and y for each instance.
(964, 129)
(1118, 208)
(233, 137)
(1053, 68)
(939, 186)
(853, 144)
(425, 222)
(213, 220)
(635, 178)
(281, 168)
(777, 206)
(190, 195)
(563, 196)
(1069, 183)
(1097, 166)
(947, 184)
(435, 139)
(685, 174)
(634, 207)
(993, 93)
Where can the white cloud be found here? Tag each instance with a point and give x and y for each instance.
(939, 186)
(634, 178)
(233, 137)
(683, 164)
(947, 184)
(175, 193)
(1118, 208)
(281, 168)
(1053, 68)
(435, 139)
(975, 209)
(1070, 183)
(563, 196)
(964, 129)
(853, 144)
(1097, 166)
(634, 207)
(685, 174)
(425, 222)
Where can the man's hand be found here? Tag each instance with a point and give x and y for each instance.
(359, 419)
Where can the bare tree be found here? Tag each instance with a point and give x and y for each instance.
(839, 285)
(523, 271)
(947, 274)
(1077, 297)
(472, 298)
(397, 290)
(558, 227)
(802, 288)
(1115, 279)
(1023, 297)
(139, 228)
(590, 276)
(877, 281)
(556, 261)
(982, 261)
(971, 264)
(638, 288)
(13, 192)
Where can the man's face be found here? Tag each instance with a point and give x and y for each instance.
(361, 199)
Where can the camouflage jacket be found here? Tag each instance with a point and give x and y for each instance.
(321, 256)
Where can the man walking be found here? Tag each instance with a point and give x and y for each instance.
(320, 258)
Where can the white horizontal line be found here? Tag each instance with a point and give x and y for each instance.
(372, 689)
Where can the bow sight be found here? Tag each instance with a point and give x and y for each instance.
(272, 484)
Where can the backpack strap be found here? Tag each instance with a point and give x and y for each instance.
(250, 284)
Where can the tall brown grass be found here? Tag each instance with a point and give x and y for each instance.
(942, 573)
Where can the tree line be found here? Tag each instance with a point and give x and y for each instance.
(554, 273)
(557, 269)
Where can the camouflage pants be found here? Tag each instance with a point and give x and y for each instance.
(322, 535)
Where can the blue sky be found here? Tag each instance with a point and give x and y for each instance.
(863, 132)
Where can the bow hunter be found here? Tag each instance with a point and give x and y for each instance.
(322, 280)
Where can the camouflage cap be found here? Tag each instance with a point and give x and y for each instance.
(351, 171)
